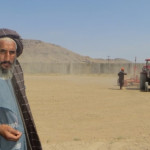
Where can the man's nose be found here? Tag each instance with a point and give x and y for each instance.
(7, 56)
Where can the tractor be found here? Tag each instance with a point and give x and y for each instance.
(145, 76)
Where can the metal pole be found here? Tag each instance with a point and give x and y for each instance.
(108, 63)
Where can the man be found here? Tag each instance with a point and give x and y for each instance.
(17, 128)
(121, 77)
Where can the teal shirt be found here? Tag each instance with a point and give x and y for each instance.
(9, 114)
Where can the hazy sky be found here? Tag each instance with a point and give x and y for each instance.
(95, 28)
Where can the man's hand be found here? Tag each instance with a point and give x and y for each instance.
(9, 133)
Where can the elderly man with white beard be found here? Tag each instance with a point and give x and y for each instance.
(17, 127)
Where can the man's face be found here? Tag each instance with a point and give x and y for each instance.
(7, 53)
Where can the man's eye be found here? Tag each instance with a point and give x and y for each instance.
(12, 52)
(2, 51)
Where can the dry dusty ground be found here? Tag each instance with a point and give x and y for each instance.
(88, 112)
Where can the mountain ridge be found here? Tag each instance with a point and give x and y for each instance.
(36, 51)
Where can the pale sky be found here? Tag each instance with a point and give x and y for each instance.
(95, 28)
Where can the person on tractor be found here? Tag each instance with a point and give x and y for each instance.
(121, 77)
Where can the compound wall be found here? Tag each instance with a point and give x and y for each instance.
(79, 68)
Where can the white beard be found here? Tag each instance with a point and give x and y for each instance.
(6, 74)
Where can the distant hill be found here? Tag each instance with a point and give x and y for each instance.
(41, 52)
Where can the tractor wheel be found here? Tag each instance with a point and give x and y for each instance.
(142, 81)
(146, 87)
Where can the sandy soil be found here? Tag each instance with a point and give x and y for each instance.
(88, 112)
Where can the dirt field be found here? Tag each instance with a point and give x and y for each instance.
(88, 112)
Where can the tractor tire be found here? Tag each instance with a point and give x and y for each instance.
(146, 87)
(142, 81)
